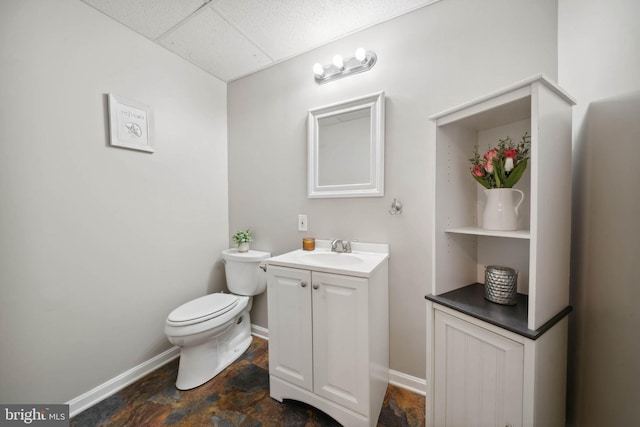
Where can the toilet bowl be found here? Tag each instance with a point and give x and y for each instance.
(214, 330)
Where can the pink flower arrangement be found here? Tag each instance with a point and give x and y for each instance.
(501, 166)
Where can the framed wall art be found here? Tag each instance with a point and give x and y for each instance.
(130, 124)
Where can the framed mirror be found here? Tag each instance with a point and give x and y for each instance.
(346, 148)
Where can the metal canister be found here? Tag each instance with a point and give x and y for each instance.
(500, 284)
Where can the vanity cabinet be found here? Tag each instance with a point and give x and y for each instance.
(290, 325)
(491, 364)
(328, 341)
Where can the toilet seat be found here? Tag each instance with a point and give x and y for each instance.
(202, 309)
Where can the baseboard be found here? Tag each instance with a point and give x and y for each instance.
(260, 332)
(116, 384)
(101, 392)
(408, 382)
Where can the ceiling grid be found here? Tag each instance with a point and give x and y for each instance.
(234, 38)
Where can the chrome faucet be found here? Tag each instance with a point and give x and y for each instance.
(340, 246)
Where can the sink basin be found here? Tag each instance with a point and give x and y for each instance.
(330, 258)
(362, 262)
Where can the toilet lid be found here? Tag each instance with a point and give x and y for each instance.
(249, 256)
(202, 309)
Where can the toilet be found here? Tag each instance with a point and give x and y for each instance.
(214, 330)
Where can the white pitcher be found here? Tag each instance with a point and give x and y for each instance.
(500, 212)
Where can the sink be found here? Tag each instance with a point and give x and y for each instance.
(331, 258)
(361, 262)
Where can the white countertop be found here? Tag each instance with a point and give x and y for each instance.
(366, 256)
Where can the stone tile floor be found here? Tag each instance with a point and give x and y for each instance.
(238, 396)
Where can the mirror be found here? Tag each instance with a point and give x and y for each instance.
(346, 148)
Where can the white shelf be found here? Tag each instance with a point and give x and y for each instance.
(477, 231)
(498, 99)
(539, 251)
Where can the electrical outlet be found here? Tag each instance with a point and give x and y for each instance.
(302, 222)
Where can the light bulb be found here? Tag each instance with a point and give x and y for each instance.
(318, 69)
(338, 62)
(361, 54)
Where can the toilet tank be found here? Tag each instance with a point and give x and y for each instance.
(243, 272)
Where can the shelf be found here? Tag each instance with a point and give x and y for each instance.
(477, 231)
(470, 300)
(539, 250)
(509, 104)
(462, 325)
(480, 119)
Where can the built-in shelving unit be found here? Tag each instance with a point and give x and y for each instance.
(462, 327)
(539, 249)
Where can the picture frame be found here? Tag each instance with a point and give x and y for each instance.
(130, 124)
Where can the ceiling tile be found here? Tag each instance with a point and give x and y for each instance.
(151, 18)
(234, 38)
(210, 42)
(288, 27)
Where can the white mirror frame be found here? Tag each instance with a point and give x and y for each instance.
(375, 185)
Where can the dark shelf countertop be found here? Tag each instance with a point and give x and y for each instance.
(470, 300)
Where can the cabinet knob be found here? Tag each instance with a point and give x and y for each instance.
(316, 286)
(303, 284)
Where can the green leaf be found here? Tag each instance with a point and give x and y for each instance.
(498, 172)
(482, 181)
(516, 174)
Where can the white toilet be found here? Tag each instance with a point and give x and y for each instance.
(214, 330)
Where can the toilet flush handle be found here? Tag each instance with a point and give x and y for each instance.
(263, 267)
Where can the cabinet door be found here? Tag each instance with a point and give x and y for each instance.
(478, 375)
(340, 338)
(289, 301)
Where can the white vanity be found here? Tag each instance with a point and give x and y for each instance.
(329, 330)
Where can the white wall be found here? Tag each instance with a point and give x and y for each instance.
(98, 244)
(429, 60)
(599, 64)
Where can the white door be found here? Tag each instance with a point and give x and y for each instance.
(290, 348)
(478, 375)
(340, 339)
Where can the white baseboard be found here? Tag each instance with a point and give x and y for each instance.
(408, 382)
(101, 392)
(260, 332)
(116, 384)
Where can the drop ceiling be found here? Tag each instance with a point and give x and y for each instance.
(233, 38)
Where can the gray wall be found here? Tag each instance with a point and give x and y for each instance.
(599, 64)
(98, 244)
(429, 60)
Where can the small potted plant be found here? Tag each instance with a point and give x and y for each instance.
(498, 171)
(242, 239)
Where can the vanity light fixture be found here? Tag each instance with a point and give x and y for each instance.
(338, 62)
(362, 60)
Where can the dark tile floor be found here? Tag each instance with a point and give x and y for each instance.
(238, 396)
